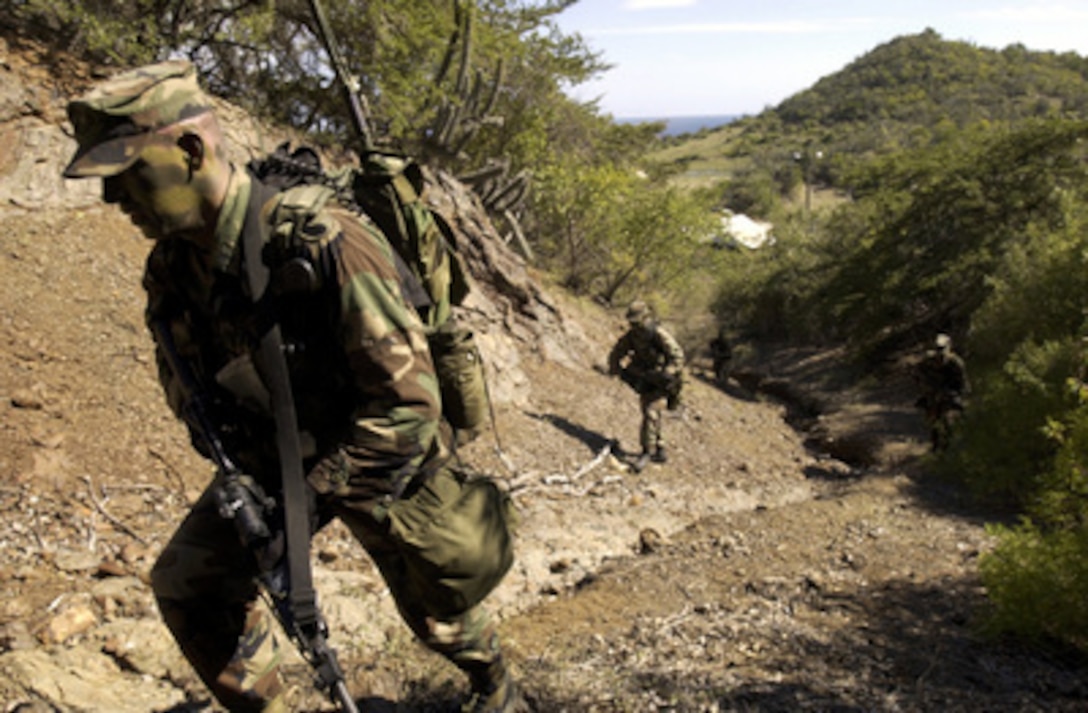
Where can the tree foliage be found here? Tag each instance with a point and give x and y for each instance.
(943, 220)
(609, 230)
(461, 84)
(411, 59)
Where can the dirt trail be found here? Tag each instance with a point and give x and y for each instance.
(752, 572)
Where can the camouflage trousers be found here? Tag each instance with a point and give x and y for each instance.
(652, 405)
(205, 585)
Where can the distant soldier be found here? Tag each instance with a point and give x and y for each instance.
(650, 361)
(721, 354)
(942, 376)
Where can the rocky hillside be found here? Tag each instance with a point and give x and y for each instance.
(754, 571)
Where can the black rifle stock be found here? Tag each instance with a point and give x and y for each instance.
(243, 501)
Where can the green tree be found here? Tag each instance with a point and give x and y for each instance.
(944, 221)
(662, 232)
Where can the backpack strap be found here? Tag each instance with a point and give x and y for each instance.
(272, 366)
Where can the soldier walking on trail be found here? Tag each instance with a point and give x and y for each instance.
(374, 452)
(721, 355)
(649, 360)
(942, 376)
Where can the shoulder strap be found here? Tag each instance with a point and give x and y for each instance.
(257, 273)
(272, 366)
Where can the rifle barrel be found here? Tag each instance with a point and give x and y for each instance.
(349, 83)
(343, 697)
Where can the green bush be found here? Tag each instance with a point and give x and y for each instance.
(1037, 576)
(1036, 581)
(1004, 444)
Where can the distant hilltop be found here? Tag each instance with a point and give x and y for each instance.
(676, 125)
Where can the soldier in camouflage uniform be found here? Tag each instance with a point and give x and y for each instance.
(651, 362)
(942, 376)
(364, 387)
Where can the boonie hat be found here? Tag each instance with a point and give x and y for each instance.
(638, 311)
(117, 119)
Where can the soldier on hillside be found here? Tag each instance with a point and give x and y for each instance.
(361, 389)
(649, 360)
(721, 355)
(942, 376)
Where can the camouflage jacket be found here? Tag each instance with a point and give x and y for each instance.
(365, 392)
(645, 353)
(943, 380)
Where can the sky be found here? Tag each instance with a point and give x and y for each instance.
(710, 57)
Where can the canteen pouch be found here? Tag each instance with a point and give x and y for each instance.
(456, 535)
(461, 377)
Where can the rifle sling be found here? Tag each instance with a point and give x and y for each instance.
(272, 366)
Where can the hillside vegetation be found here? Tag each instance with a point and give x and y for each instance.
(910, 92)
(962, 176)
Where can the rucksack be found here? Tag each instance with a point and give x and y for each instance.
(388, 189)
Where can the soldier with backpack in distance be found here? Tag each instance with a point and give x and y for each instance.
(649, 360)
(942, 377)
(294, 321)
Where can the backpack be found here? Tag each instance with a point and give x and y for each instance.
(389, 190)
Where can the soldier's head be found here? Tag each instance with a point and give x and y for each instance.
(639, 314)
(151, 136)
(943, 342)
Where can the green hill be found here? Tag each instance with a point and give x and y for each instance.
(909, 92)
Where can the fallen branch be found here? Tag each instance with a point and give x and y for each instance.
(170, 469)
(600, 458)
(523, 483)
(106, 514)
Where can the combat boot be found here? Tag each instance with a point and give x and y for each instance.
(493, 692)
(659, 455)
(640, 464)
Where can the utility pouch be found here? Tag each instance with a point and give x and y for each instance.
(674, 387)
(456, 533)
(461, 377)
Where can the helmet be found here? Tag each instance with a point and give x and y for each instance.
(943, 341)
(638, 312)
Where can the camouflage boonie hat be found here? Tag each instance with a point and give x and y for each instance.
(638, 311)
(118, 118)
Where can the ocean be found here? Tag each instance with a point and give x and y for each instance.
(675, 125)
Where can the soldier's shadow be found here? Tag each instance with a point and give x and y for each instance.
(592, 439)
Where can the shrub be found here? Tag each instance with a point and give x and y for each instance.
(1037, 581)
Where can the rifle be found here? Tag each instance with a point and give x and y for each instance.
(348, 82)
(242, 500)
